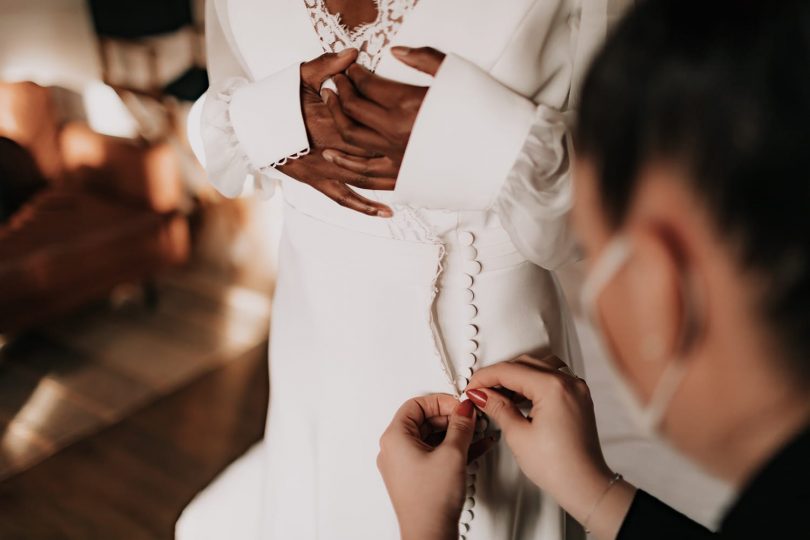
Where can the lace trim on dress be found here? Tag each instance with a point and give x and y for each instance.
(370, 39)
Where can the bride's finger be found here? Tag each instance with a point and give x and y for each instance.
(378, 184)
(364, 111)
(347, 197)
(350, 131)
(376, 166)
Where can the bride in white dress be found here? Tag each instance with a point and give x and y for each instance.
(370, 311)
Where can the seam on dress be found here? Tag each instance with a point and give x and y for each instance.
(438, 345)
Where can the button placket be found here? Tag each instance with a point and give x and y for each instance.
(471, 268)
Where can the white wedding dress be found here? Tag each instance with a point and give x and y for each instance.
(369, 312)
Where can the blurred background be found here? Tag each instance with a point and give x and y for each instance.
(134, 301)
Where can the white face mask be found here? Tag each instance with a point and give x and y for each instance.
(646, 417)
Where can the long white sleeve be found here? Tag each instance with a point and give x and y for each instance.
(537, 195)
(477, 144)
(464, 141)
(247, 127)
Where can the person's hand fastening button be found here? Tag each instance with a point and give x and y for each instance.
(423, 460)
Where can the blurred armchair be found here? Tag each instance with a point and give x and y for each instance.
(84, 212)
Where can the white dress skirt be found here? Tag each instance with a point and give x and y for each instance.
(370, 312)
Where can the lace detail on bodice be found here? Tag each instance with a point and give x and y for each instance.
(370, 38)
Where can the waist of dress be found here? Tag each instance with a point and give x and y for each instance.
(474, 239)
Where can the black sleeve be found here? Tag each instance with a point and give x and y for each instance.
(650, 518)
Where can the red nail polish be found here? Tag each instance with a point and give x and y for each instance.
(478, 397)
(465, 408)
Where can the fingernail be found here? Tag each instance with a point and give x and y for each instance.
(325, 95)
(465, 408)
(399, 50)
(478, 397)
(328, 156)
(345, 52)
(385, 212)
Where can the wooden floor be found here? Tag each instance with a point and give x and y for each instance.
(131, 480)
(78, 375)
(111, 420)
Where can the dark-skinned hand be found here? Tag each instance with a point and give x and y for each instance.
(377, 114)
(330, 178)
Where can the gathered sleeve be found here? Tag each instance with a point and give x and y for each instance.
(537, 196)
(248, 127)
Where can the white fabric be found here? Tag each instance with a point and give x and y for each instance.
(455, 127)
(537, 196)
(218, 518)
(590, 33)
(370, 39)
(369, 312)
(270, 130)
(227, 162)
(244, 134)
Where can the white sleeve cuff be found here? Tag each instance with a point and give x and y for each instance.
(465, 140)
(266, 117)
(228, 167)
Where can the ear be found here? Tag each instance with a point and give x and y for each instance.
(653, 292)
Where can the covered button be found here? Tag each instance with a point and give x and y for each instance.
(469, 295)
(472, 268)
(462, 381)
(468, 253)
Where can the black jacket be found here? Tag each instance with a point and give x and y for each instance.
(775, 505)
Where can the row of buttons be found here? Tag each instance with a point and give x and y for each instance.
(467, 513)
(464, 371)
(471, 268)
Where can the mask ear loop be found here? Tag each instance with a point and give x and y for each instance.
(602, 273)
(673, 374)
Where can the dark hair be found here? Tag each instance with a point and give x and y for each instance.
(721, 89)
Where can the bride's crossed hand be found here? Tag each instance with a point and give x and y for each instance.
(313, 169)
(378, 113)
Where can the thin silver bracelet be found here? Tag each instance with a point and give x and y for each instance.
(616, 478)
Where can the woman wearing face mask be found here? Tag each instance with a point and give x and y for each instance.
(692, 204)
